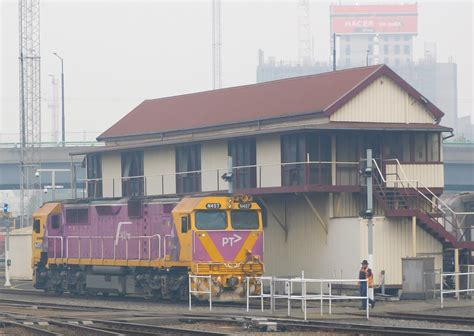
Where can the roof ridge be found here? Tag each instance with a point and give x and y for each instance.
(377, 66)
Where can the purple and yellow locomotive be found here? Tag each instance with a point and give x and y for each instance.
(148, 246)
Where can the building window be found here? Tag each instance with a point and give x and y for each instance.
(348, 38)
(188, 169)
(94, 175)
(243, 153)
(132, 174)
(385, 49)
(406, 49)
(318, 149)
(406, 38)
(348, 49)
(306, 159)
(293, 156)
(397, 49)
(397, 61)
(385, 60)
(396, 37)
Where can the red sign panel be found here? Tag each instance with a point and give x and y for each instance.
(374, 25)
(374, 19)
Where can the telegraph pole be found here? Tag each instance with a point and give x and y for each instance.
(370, 206)
(6, 216)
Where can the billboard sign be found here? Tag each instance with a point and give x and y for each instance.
(374, 19)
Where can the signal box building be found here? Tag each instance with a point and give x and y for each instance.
(298, 145)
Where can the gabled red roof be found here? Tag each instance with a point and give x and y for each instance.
(321, 93)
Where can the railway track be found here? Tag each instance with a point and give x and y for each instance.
(112, 326)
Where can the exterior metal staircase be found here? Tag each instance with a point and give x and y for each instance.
(401, 197)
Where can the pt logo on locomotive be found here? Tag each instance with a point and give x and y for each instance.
(231, 240)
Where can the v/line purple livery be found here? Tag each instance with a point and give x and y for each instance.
(149, 246)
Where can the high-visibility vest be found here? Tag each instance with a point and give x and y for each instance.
(370, 278)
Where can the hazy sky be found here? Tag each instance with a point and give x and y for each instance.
(117, 54)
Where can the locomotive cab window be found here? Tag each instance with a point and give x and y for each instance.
(36, 225)
(184, 224)
(244, 219)
(55, 221)
(211, 220)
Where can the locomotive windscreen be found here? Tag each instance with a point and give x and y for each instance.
(211, 220)
(244, 219)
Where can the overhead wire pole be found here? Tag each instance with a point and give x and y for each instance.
(30, 103)
(216, 45)
(304, 34)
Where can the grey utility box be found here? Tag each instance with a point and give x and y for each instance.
(418, 277)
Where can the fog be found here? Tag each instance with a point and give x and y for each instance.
(116, 54)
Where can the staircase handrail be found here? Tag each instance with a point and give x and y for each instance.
(405, 179)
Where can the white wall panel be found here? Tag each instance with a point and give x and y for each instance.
(214, 161)
(111, 174)
(159, 168)
(268, 155)
(383, 101)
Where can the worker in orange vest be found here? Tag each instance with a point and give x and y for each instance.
(366, 273)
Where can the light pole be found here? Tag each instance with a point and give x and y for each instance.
(63, 124)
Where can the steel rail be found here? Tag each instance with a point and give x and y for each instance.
(30, 328)
(141, 329)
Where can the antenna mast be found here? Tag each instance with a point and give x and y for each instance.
(216, 44)
(30, 104)
(305, 56)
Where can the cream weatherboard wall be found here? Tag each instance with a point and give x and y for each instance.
(383, 101)
(214, 162)
(392, 242)
(269, 157)
(339, 253)
(111, 174)
(159, 169)
(430, 175)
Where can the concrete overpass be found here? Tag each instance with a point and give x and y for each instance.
(458, 158)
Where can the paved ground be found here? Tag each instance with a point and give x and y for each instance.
(340, 310)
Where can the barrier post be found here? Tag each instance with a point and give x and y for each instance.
(368, 306)
(367, 298)
(189, 290)
(330, 298)
(261, 294)
(272, 294)
(210, 292)
(321, 293)
(248, 293)
(441, 289)
(303, 290)
(289, 296)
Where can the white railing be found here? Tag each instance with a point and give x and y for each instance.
(259, 280)
(193, 280)
(296, 289)
(252, 176)
(102, 240)
(456, 291)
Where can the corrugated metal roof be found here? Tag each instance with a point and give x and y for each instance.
(324, 92)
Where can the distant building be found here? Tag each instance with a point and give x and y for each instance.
(379, 34)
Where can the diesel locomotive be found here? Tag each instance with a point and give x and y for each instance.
(149, 246)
